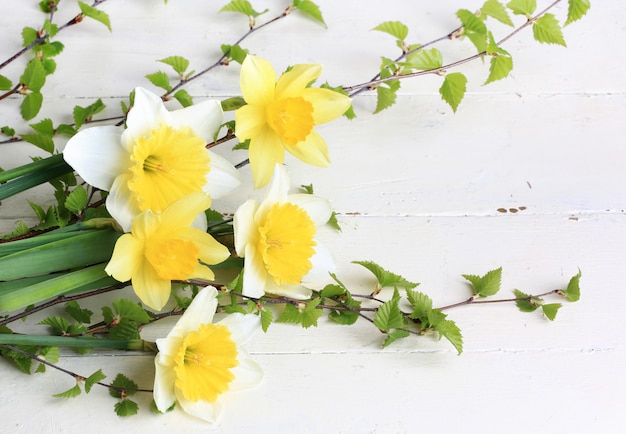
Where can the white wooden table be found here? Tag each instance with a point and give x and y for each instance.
(417, 189)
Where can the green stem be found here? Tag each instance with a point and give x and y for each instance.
(77, 342)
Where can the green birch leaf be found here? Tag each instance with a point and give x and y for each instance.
(526, 305)
(425, 59)
(34, 75)
(69, 393)
(242, 7)
(235, 52)
(547, 30)
(333, 222)
(39, 212)
(42, 141)
(499, 68)
(393, 28)
(58, 325)
(96, 14)
(183, 97)
(7, 131)
(77, 200)
(421, 304)
(5, 83)
(495, 9)
(178, 63)
(131, 310)
(66, 130)
(267, 317)
(49, 65)
(453, 89)
(124, 383)
(85, 114)
(50, 354)
(343, 317)
(29, 35)
(386, 278)
(126, 407)
(160, 79)
(550, 310)
(385, 98)
(332, 290)
(73, 309)
(93, 379)
(394, 336)
(310, 314)
(449, 330)
(471, 23)
(576, 10)
(49, 28)
(310, 9)
(523, 7)
(389, 316)
(233, 103)
(487, 285)
(572, 293)
(44, 126)
(305, 314)
(50, 49)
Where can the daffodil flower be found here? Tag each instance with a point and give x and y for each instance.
(160, 157)
(200, 361)
(281, 115)
(163, 247)
(276, 238)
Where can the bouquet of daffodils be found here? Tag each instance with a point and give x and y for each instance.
(135, 206)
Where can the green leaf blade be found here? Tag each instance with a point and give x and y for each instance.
(495, 9)
(386, 278)
(96, 14)
(310, 9)
(547, 30)
(576, 10)
(453, 89)
(394, 28)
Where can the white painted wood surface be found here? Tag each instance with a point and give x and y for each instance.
(417, 189)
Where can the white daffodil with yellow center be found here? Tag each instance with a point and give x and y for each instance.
(163, 247)
(159, 157)
(276, 238)
(199, 361)
(281, 115)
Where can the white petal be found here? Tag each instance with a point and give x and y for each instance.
(242, 327)
(279, 186)
(276, 192)
(200, 311)
(169, 346)
(254, 274)
(318, 208)
(243, 225)
(164, 379)
(298, 292)
(121, 203)
(147, 113)
(205, 410)
(203, 118)
(323, 263)
(97, 155)
(222, 179)
(247, 373)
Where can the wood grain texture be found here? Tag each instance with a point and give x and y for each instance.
(417, 189)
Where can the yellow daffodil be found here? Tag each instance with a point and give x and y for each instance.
(158, 158)
(200, 361)
(163, 247)
(281, 115)
(277, 240)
